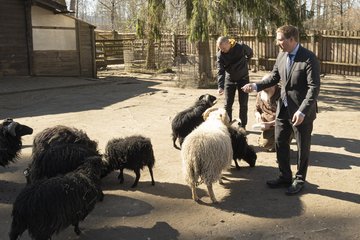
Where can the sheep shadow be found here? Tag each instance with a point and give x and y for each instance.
(163, 189)
(121, 206)
(161, 230)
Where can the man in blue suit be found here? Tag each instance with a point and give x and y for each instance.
(297, 70)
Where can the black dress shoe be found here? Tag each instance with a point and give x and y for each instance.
(279, 183)
(295, 187)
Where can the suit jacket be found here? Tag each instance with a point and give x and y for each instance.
(301, 86)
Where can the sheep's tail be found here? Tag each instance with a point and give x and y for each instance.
(16, 230)
(151, 160)
(190, 168)
(174, 137)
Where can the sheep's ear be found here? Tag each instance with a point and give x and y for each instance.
(11, 128)
(206, 97)
(201, 97)
(207, 112)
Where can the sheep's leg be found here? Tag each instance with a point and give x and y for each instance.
(193, 191)
(211, 193)
(236, 164)
(77, 229)
(121, 175)
(220, 180)
(101, 196)
(16, 230)
(137, 172)
(152, 176)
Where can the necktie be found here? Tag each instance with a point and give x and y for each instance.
(289, 62)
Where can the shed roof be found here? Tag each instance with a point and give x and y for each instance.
(58, 6)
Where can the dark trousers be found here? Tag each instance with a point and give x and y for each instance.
(230, 90)
(302, 134)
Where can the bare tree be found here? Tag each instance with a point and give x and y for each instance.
(111, 7)
(333, 15)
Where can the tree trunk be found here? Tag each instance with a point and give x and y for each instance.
(72, 7)
(204, 71)
(113, 15)
(150, 54)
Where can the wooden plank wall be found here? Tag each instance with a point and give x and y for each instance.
(86, 49)
(13, 44)
(56, 63)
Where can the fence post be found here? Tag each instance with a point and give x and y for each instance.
(313, 41)
(173, 48)
(256, 66)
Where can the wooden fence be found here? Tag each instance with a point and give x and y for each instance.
(337, 51)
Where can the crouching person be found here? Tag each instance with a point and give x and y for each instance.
(265, 114)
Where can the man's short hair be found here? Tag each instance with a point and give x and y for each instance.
(289, 31)
(221, 40)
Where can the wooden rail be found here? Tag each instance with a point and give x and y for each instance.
(337, 51)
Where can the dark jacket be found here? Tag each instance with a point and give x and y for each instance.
(302, 84)
(233, 65)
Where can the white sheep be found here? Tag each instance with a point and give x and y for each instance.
(207, 151)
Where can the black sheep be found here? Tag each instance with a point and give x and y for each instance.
(59, 150)
(48, 206)
(187, 120)
(132, 153)
(241, 149)
(10, 140)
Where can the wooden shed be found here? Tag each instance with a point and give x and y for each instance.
(39, 38)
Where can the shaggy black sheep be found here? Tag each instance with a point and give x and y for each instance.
(10, 140)
(186, 121)
(133, 153)
(59, 150)
(51, 205)
(241, 149)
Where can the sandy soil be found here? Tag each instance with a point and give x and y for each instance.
(124, 105)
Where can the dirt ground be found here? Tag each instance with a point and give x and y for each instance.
(123, 105)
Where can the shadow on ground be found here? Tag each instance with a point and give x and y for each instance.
(74, 99)
(343, 95)
(163, 189)
(250, 195)
(121, 206)
(349, 144)
(161, 230)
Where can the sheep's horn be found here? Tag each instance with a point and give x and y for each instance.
(11, 128)
(232, 121)
(208, 111)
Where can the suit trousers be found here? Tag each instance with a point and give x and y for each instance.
(230, 90)
(302, 133)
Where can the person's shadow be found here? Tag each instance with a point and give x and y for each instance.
(248, 194)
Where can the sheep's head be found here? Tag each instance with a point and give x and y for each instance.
(210, 99)
(217, 113)
(235, 123)
(15, 129)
